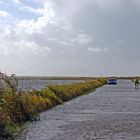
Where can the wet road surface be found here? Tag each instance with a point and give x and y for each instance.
(110, 113)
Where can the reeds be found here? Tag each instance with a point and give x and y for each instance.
(18, 107)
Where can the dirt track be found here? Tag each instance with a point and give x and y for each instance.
(110, 113)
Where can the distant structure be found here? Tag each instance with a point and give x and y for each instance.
(2, 75)
(13, 75)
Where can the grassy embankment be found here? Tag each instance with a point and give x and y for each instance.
(16, 108)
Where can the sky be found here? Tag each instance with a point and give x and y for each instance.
(70, 37)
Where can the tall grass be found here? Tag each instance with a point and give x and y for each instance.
(18, 107)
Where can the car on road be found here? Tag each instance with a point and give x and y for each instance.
(112, 81)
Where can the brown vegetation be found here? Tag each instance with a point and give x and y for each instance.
(18, 107)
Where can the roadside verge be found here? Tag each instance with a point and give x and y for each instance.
(16, 108)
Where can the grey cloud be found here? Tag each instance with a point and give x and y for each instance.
(109, 28)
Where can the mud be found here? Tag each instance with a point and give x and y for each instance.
(110, 113)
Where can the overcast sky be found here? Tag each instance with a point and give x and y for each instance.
(70, 37)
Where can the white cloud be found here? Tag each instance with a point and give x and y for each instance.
(39, 11)
(16, 1)
(84, 39)
(16, 42)
(81, 38)
(18, 38)
(46, 13)
(66, 31)
(11, 2)
(31, 26)
(4, 14)
(91, 49)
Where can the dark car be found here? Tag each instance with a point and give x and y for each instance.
(112, 81)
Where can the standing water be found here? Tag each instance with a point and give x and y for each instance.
(110, 113)
(37, 84)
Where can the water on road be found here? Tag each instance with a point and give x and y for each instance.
(110, 113)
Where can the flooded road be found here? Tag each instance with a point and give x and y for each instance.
(110, 113)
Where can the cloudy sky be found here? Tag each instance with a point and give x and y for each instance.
(70, 37)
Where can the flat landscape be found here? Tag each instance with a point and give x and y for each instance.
(38, 84)
(110, 113)
(70, 69)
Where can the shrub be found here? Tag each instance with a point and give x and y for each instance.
(19, 107)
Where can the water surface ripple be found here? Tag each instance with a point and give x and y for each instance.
(110, 113)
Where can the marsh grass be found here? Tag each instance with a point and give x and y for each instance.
(16, 108)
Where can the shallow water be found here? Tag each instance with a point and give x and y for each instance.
(40, 84)
(110, 113)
